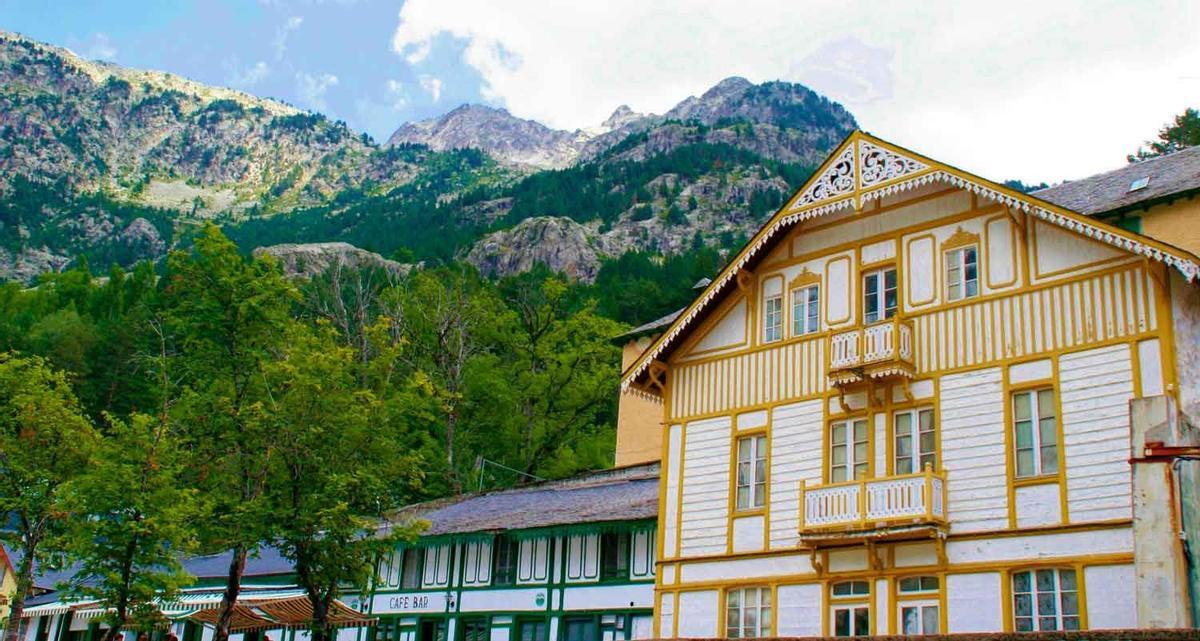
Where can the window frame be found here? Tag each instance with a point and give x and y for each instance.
(418, 561)
(880, 295)
(1037, 443)
(852, 603)
(963, 281)
(851, 462)
(512, 557)
(621, 566)
(811, 308)
(923, 598)
(1035, 616)
(759, 454)
(916, 451)
(761, 629)
(772, 331)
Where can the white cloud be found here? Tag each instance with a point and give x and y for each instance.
(312, 89)
(100, 48)
(279, 42)
(249, 77)
(1026, 89)
(432, 86)
(397, 94)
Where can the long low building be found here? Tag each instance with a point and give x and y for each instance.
(571, 560)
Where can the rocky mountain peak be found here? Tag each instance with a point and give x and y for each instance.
(621, 117)
(495, 131)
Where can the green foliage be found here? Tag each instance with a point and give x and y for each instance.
(140, 519)
(639, 287)
(1023, 187)
(1182, 133)
(46, 443)
(336, 470)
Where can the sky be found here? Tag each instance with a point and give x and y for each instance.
(1041, 90)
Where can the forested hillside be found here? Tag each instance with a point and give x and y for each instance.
(114, 165)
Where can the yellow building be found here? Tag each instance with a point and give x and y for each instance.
(904, 407)
(8, 585)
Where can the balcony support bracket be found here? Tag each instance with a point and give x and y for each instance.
(907, 388)
(842, 399)
(817, 558)
(873, 556)
(939, 542)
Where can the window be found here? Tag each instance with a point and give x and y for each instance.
(411, 568)
(748, 613)
(773, 319)
(879, 295)
(962, 273)
(806, 306)
(1045, 600)
(504, 558)
(850, 609)
(915, 441)
(474, 629)
(919, 606)
(534, 630)
(614, 555)
(580, 629)
(386, 629)
(751, 472)
(613, 626)
(1036, 433)
(848, 450)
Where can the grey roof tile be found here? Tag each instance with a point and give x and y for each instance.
(1171, 174)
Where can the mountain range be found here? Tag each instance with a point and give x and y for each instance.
(115, 165)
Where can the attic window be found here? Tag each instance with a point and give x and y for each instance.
(1140, 183)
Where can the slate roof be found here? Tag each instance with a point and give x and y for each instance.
(1169, 175)
(267, 562)
(622, 494)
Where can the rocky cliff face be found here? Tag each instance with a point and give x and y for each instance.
(310, 259)
(497, 132)
(709, 207)
(98, 126)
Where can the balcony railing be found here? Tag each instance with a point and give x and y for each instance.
(876, 351)
(866, 503)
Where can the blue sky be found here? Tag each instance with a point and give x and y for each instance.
(1023, 89)
(334, 57)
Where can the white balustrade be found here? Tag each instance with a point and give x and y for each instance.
(843, 350)
(891, 340)
(912, 497)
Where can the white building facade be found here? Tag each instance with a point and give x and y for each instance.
(904, 407)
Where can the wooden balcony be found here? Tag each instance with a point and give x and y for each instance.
(876, 352)
(892, 505)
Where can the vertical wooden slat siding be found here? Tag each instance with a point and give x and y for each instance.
(1018, 326)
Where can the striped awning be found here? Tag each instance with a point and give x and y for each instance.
(287, 612)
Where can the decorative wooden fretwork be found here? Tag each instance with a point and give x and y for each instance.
(960, 238)
(878, 165)
(837, 180)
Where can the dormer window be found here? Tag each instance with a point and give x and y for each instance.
(1140, 183)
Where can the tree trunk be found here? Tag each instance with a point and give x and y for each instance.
(320, 623)
(233, 586)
